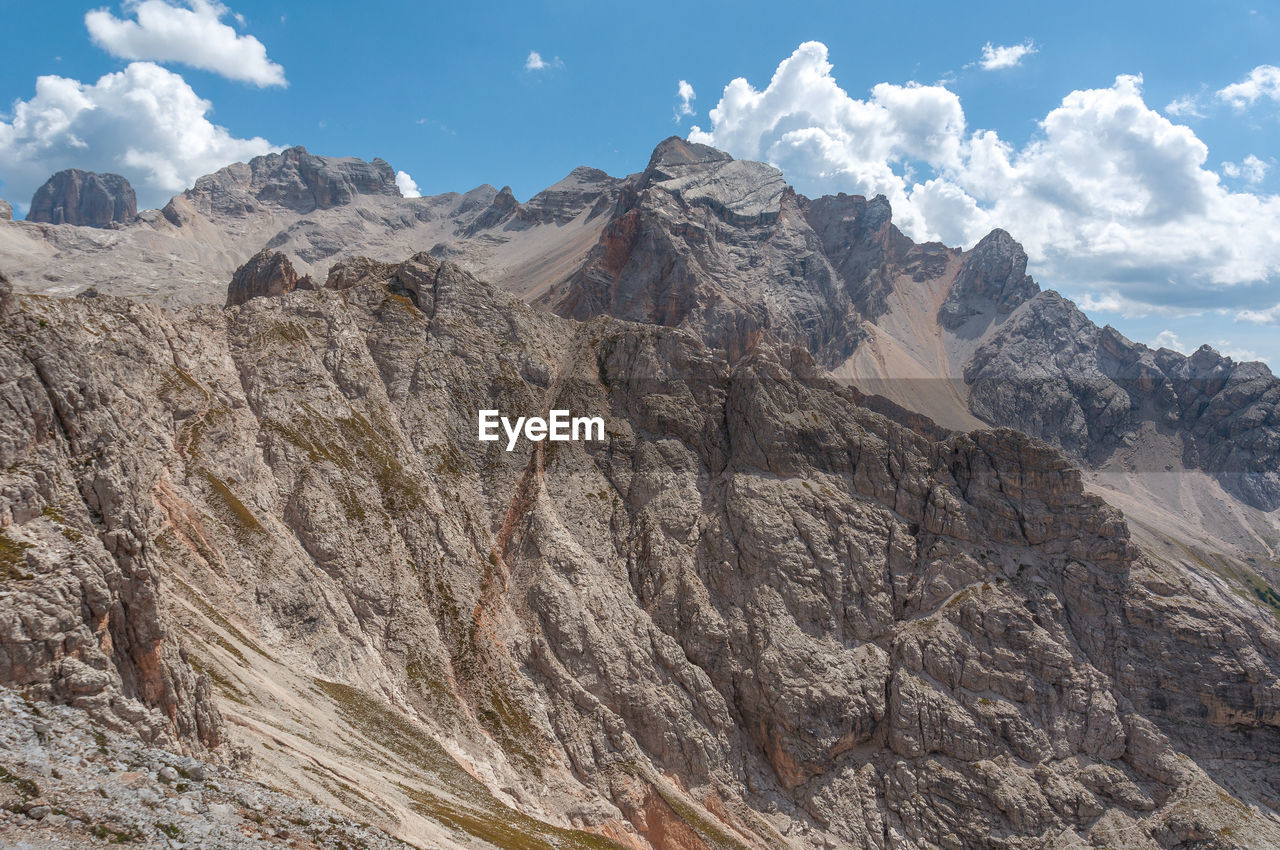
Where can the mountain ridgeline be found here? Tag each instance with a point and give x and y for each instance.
(843, 573)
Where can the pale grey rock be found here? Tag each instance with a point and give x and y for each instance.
(83, 198)
(54, 808)
(6, 210)
(357, 271)
(742, 191)
(293, 180)
(1051, 372)
(755, 593)
(583, 190)
(695, 240)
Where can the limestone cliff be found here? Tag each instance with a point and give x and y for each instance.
(758, 614)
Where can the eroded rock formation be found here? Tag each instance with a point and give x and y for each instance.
(266, 274)
(84, 198)
(757, 614)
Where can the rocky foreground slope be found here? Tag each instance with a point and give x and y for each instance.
(69, 783)
(758, 614)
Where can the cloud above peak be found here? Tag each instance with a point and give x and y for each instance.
(144, 122)
(686, 96)
(997, 57)
(407, 186)
(193, 35)
(1111, 198)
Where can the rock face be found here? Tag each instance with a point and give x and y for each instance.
(1051, 372)
(724, 250)
(756, 614)
(267, 274)
(694, 240)
(293, 180)
(6, 210)
(84, 198)
(993, 278)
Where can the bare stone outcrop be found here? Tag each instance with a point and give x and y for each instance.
(267, 274)
(293, 179)
(84, 198)
(993, 279)
(1051, 372)
(6, 295)
(6, 210)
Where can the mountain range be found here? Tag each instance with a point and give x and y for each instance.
(886, 546)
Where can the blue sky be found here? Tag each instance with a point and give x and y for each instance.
(445, 93)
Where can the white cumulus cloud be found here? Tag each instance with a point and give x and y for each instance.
(407, 187)
(1111, 199)
(194, 35)
(144, 122)
(1262, 82)
(685, 93)
(535, 62)
(997, 57)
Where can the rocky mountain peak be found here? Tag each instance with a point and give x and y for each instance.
(675, 152)
(502, 207)
(739, 190)
(293, 179)
(85, 198)
(266, 274)
(563, 201)
(993, 279)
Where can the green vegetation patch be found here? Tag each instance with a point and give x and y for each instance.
(392, 731)
(25, 787)
(64, 528)
(13, 558)
(504, 827)
(233, 509)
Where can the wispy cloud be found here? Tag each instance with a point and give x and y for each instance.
(685, 93)
(1187, 106)
(1238, 353)
(1168, 339)
(1263, 81)
(998, 57)
(535, 62)
(193, 35)
(1250, 169)
(1269, 316)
